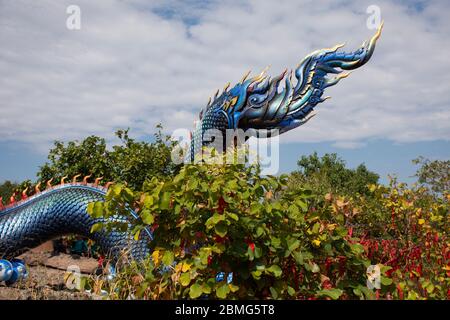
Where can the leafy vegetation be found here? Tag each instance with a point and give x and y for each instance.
(6, 189)
(225, 231)
(130, 162)
(435, 174)
(211, 221)
(330, 174)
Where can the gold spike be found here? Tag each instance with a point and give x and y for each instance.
(216, 94)
(49, 183)
(343, 75)
(63, 179)
(97, 180)
(74, 179)
(338, 46)
(312, 115)
(326, 98)
(261, 76)
(226, 87)
(378, 33)
(233, 101)
(24, 193)
(209, 102)
(108, 184)
(37, 188)
(86, 178)
(245, 76)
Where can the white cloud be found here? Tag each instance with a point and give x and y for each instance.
(131, 67)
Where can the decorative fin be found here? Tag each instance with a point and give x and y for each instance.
(49, 183)
(86, 178)
(24, 193)
(37, 188)
(108, 184)
(245, 76)
(97, 180)
(12, 199)
(63, 179)
(74, 179)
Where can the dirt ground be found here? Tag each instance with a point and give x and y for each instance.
(46, 277)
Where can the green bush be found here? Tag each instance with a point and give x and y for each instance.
(227, 218)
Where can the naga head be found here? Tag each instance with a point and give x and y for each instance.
(261, 102)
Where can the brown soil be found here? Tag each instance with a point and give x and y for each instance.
(46, 277)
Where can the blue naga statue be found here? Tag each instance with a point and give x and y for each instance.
(257, 103)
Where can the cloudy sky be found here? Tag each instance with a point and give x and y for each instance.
(140, 62)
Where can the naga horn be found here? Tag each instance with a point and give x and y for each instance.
(86, 178)
(97, 180)
(108, 184)
(24, 193)
(12, 199)
(49, 183)
(36, 188)
(62, 179)
(74, 179)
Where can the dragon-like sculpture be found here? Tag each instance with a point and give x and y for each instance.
(254, 103)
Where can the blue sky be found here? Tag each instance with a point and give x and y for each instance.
(137, 63)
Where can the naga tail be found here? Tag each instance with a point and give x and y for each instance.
(60, 211)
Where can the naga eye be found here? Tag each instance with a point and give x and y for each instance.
(256, 99)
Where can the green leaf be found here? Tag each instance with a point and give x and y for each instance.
(276, 270)
(221, 229)
(332, 293)
(185, 279)
(223, 291)
(165, 201)
(195, 291)
(302, 204)
(147, 217)
(256, 274)
(258, 252)
(386, 281)
(97, 227)
(167, 258)
(291, 291)
(293, 244)
(215, 219)
(273, 292)
(148, 201)
(96, 209)
(259, 231)
(315, 267)
(207, 288)
(233, 288)
(233, 216)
